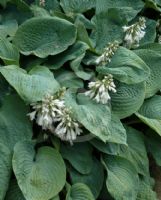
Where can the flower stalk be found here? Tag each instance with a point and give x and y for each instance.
(108, 53)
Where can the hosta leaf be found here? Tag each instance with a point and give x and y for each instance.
(135, 152)
(150, 32)
(94, 180)
(127, 8)
(153, 4)
(79, 155)
(153, 143)
(5, 169)
(44, 36)
(151, 107)
(51, 5)
(97, 119)
(108, 27)
(4, 88)
(32, 86)
(77, 6)
(68, 79)
(116, 130)
(122, 181)
(79, 191)
(111, 16)
(149, 113)
(40, 175)
(126, 67)
(8, 28)
(82, 33)
(108, 147)
(39, 11)
(117, 4)
(156, 47)
(70, 54)
(14, 124)
(8, 52)
(128, 99)
(151, 56)
(14, 192)
(146, 192)
(85, 21)
(155, 124)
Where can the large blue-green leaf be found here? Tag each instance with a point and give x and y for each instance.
(79, 155)
(145, 192)
(77, 6)
(8, 28)
(31, 86)
(79, 191)
(128, 99)
(122, 181)
(44, 36)
(5, 169)
(111, 16)
(153, 142)
(14, 124)
(94, 179)
(51, 5)
(14, 191)
(149, 113)
(126, 67)
(70, 54)
(108, 27)
(108, 147)
(153, 4)
(68, 79)
(150, 32)
(8, 52)
(152, 107)
(150, 54)
(135, 151)
(97, 119)
(41, 175)
(103, 4)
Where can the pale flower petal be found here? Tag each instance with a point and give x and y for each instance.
(134, 33)
(100, 90)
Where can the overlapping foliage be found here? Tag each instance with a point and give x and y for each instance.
(47, 45)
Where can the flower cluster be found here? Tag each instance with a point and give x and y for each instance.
(159, 39)
(99, 90)
(42, 3)
(134, 33)
(107, 54)
(68, 128)
(52, 114)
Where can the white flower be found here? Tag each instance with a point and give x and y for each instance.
(42, 2)
(106, 56)
(134, 33)
(99, 90)
(51, 114)
(46, 110)
(159, 39)
(67, 129)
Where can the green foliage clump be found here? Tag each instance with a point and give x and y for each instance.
(80, 100)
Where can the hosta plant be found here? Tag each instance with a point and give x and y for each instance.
(80, 101)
